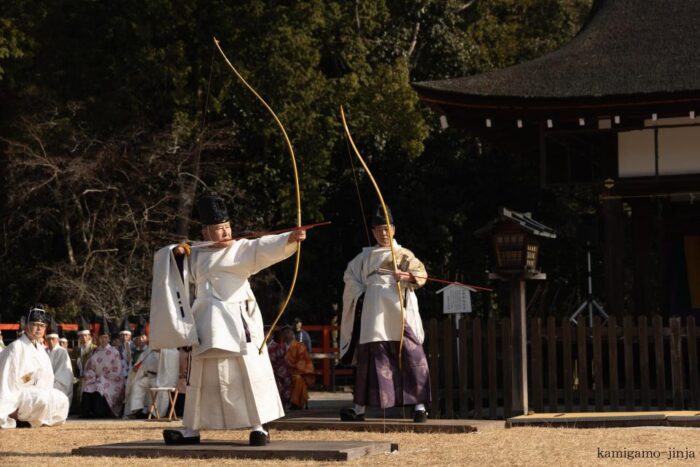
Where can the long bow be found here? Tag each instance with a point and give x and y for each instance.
(296, 187)
(388, 226)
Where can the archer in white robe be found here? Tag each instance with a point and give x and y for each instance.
(380, 379)
(381, 313)
(231, 385)
(27, 386)
(62, 370)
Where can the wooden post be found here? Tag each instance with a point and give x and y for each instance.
(536, 362)
(552, 363)
(463, 368)
(519, 368)
(676, 364)
(693, 363)
(598, 363)
(492, 369)
(434, 367)
(644, 362)
(507, 343)
(448, 366)
(629, 362)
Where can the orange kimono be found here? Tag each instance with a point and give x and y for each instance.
(301, 368)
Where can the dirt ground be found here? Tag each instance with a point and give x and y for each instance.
(491, 445)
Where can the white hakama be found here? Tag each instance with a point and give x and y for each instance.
(26, 386)
(141, 378)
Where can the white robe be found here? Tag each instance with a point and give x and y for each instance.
(62, 370)
(141, 378)
(381, 312)
(26, 385)
(230, 385)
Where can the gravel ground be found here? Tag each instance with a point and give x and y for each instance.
(491, 445)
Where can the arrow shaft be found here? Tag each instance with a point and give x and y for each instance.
(288, 229)
(440, 281)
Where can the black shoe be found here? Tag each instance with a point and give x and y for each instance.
(22, 424)
(173, 437)
(258, 438)
(349, 415)
(420, 416)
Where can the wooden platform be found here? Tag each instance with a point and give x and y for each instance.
(607, 419)
(314, 450)
(374, 424)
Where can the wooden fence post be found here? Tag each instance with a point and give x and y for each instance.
(536, 364)
(434, 368)
(552, 363)
(644, 362)
(629, 363)
(612, 364)
(492, 369)
(448, 365)
(582, 359)
(693, 363)
(598, 362)
(476, 351)
(567, 373)
(659, 353)
(676, 364)
(463, 368)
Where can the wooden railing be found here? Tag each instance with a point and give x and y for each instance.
(640, 365)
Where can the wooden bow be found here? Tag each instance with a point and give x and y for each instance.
(388, 226)
(296, 187)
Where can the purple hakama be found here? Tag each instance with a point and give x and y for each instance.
(380, 383)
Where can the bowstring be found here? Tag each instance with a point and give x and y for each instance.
(359, 195)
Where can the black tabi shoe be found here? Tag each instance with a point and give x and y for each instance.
(258, 438)
(175, 437)
(349, 415)
(420, 416)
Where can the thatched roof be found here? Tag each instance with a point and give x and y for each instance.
(626, 48)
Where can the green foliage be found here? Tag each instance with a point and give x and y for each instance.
(122, 105)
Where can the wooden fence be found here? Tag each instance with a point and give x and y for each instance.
(641, 365)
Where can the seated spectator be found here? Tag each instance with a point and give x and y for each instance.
(301, 368)
(294, 371)
(141, 377)
(300, 335)
(60, 362)
(26, 380)
(103, 383)
(278, 358)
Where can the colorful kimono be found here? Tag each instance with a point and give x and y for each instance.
(278, 358)
(374, 347)
(301, 369)
(103, 376)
